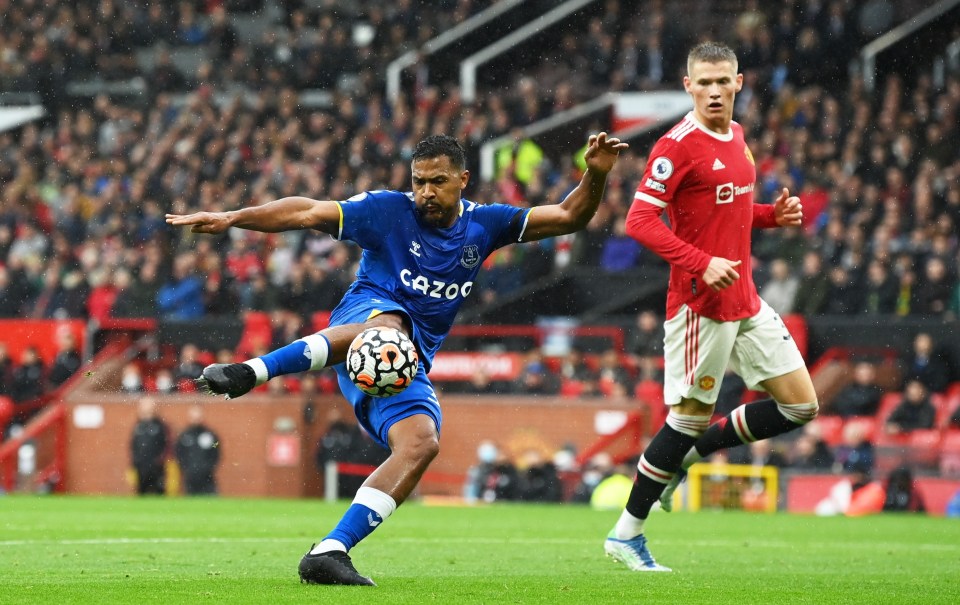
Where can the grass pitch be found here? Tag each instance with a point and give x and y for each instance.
(177, 550)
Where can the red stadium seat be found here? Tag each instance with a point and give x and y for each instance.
(571, 388)
(925, 446)
(948, 405)
(888, 403)
(950, 453)
(320, 320)
(869, 423)
(257, 332)
(831, 428)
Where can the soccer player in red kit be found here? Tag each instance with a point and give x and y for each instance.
(702, 173)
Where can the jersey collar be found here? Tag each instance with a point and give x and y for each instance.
(720, 137)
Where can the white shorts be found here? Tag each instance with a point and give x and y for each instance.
(698, 350)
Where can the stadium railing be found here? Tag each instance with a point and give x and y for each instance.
(396, 67)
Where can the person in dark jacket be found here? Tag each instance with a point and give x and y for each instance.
(915, 412)
(67, 361)
(148, 448)
(198, 454)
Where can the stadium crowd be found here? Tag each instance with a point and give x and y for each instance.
(85, 190)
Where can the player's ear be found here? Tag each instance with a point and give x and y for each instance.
(686, 83)
(739, 82)
(464, 179)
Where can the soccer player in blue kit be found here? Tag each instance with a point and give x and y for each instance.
(422, 251)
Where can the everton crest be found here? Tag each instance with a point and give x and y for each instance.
(470, 257)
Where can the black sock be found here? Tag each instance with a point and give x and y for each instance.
(664, 454)
(748, 423)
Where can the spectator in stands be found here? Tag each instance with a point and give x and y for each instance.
(844, 296)
(538, 479)
(347, 442)
(902, 494)
(163, 382)
(189, 365)
(598, 468)
(908, 296)
(198, 451)
(15, 288)
(914, 412)
(926, 363)
(855, 452)
(645, 343)
(261, 295)
(136, 297)
(66, 362)
(613, 377)
(880, 296)
(862, 396)
(67, 296)
(148, 448)
(810, 452)
(935, 289)
(758, 453)
(495, 476)
(536, 377)
(182, 296)
(131, 378)
(574, 370)
(164, 77)
(6, 370)
(28, 375)
(620, 251)
(780, 291)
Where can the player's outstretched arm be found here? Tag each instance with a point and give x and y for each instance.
(285, 214)
(576, 210)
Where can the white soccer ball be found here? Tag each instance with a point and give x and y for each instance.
(382, 361)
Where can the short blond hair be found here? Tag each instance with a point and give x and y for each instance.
(711, 52)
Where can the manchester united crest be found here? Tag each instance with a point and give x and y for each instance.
(707, 383)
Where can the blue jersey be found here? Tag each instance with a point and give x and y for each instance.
(427, 271)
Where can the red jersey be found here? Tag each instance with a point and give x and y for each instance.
(705, 182)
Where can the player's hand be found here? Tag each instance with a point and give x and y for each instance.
(201, 222)
(788, 210)
(721, 273)
(602, 152)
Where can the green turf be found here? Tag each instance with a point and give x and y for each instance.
(126, 550)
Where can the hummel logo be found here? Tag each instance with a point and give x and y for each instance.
(370, 519)
(718, 165)
(415, 248)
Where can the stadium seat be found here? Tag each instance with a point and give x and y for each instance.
(257, 332)
(925, 446)
(888, 403)
(949, 403)
(869, 423)
(831, 428)
(571, 388)
(950, 453)
(320, 320)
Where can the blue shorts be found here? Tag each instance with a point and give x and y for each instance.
(378, 414)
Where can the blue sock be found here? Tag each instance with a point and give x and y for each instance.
(290, 359)
(369, 509)
(355, 525)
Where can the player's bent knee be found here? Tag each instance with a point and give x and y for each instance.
(422, 450)
(389, 320)
(693, 425)
(801, 413)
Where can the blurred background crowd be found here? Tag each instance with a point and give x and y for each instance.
(231, 123)
(196, 105)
